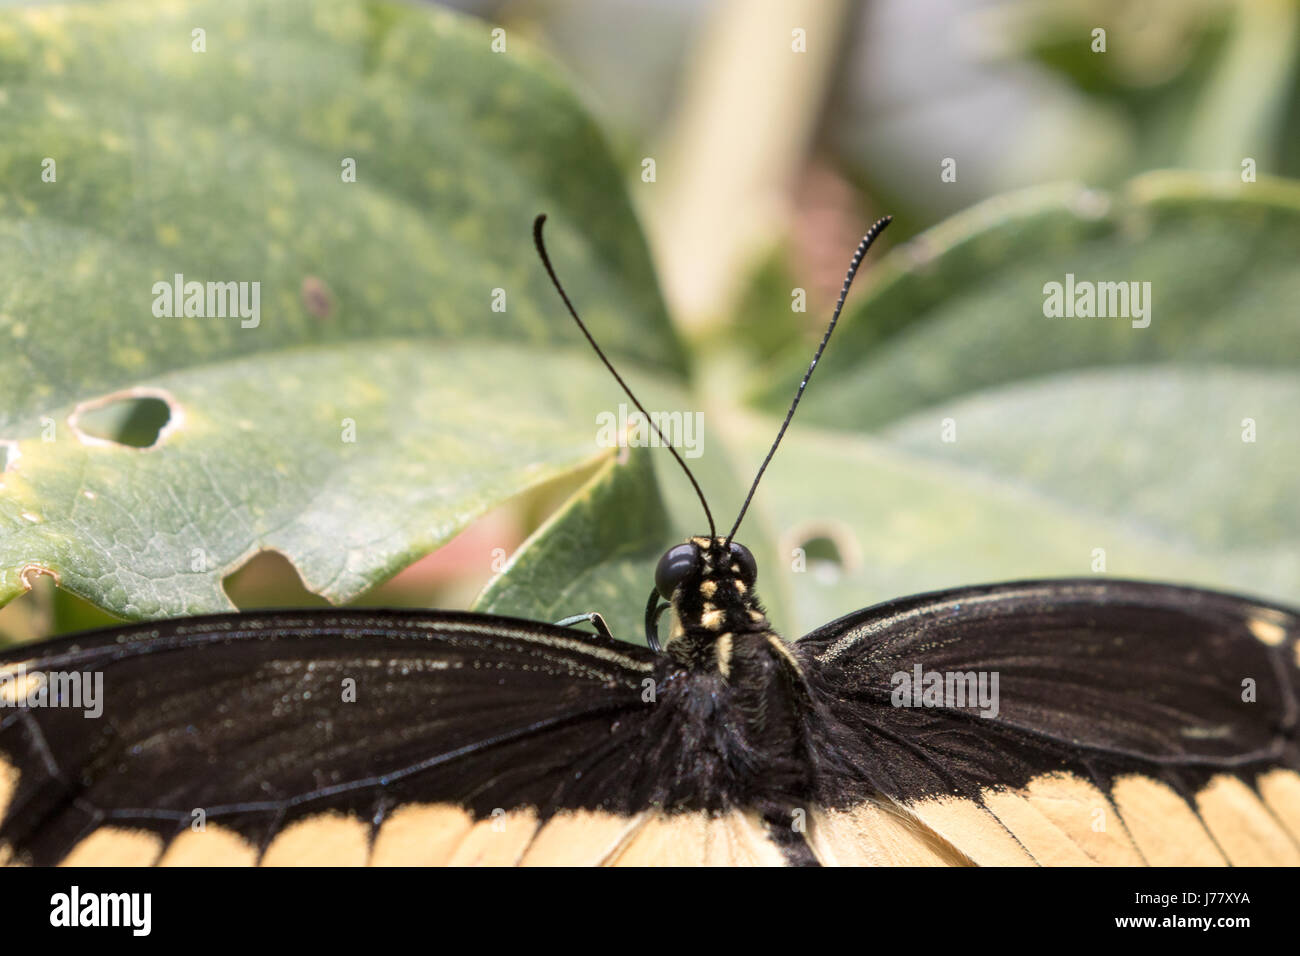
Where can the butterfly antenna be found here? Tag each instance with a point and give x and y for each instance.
(876, 229)
(546, 261)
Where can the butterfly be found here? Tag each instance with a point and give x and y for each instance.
(1035, 722)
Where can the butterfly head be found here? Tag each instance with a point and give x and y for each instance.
(709, 582)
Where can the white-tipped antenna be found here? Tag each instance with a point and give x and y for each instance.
(876, 229)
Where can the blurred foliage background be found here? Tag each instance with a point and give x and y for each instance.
(769, 166)
(790, 158)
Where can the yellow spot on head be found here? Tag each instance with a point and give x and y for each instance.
(740, 586)
(709, 588)
(713, 620)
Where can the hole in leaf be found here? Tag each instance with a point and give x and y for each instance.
(48, 610)
(456, 574)
(453, 575)
(823, 549)
(133, 420)
(269, 579)
(824, 559)
(450, 577)
(829, 551)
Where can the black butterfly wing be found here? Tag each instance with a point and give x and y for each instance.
(345, 737)
(1135, 723)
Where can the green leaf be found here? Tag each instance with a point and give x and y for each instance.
(1202, 459)
(599, 552)
(594, 554)
(1067, 435)
(1209, 86)
(1149, 467)
(377, 321)
(348, 477)
(961, 308)
(376, 296)
(1078, 447)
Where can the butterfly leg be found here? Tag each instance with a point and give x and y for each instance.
(594, 617)
(653, 611)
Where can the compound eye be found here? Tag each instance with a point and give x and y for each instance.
(745, 560)
(675, 567)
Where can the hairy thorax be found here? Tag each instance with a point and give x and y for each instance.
(740, 692)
